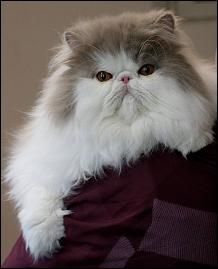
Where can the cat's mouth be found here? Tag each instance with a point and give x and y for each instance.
(129, 107)
(132, 103)
(128, 93)
(124, 101)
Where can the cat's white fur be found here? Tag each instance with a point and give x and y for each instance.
(51, 159)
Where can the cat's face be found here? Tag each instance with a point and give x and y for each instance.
(125, 86)
(127, 67)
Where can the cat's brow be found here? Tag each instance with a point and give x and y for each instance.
(148, 42)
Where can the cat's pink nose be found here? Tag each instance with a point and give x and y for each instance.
(125, 79)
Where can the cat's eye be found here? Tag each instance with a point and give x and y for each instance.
(146, 70)
(103, 76)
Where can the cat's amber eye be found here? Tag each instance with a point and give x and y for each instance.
(103, 76)
(146, 70)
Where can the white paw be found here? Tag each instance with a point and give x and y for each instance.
(42, 231)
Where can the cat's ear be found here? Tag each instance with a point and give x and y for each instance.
(167, 21)
(71, 39)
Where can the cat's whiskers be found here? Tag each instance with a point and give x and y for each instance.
(114, 97)
(165, 40)
(142, 46)
(138, 97)
(154, 109)
(146, 100)
(153, 48)
(148, 96)
(161, 46)
(157, 100)
(148, 42)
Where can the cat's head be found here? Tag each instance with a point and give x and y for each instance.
(124, 67)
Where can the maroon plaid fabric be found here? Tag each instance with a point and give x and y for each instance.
(161, 212)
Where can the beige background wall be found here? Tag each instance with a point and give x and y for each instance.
(29, 30)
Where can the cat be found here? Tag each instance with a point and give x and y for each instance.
(117, 87)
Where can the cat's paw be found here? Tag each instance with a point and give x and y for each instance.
(43, 232)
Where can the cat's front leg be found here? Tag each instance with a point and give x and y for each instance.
(41, 216)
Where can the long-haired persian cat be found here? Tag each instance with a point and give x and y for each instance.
(117, 87)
